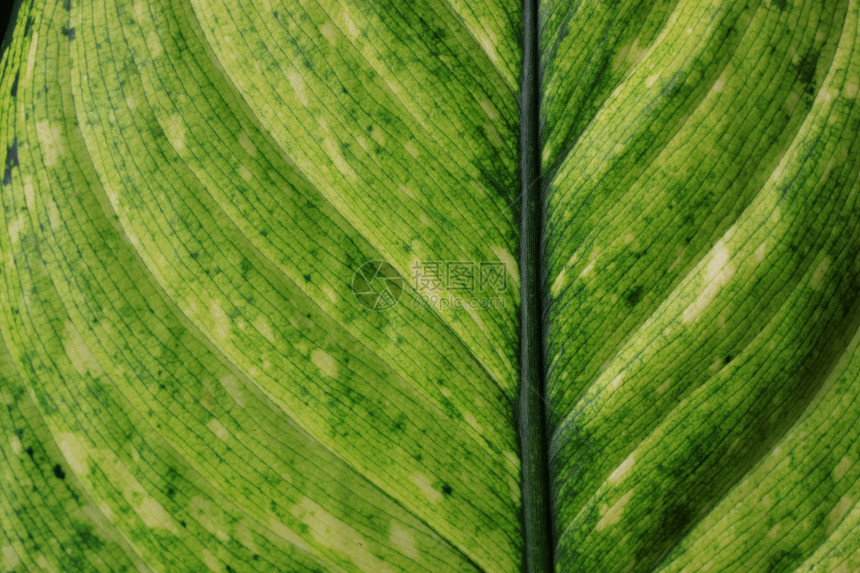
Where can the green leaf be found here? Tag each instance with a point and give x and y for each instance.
(444, 286)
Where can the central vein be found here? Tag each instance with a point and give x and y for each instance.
(532, 419)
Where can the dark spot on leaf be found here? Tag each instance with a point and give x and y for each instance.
(446, 489)
(88, 539)
(255, 557)
(229, 569)
(634, 295)
(67, 5)
(727, 359)
(14, 90)
(675, 520)
(70, 32)
(806, 71)
(194, 255)
(58, 472)
(182, 523)
(28, 26)
(11, 161)
(307, 278)
(781, 4)
(784, 561)
(29, 451)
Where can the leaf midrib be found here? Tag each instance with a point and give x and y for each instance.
(531, 418)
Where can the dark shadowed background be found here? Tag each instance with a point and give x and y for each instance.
(5, 14)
